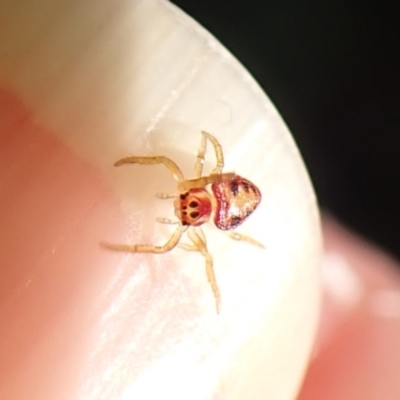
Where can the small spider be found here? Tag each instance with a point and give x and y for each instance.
(231, 200)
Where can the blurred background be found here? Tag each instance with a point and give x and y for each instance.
(333, 71)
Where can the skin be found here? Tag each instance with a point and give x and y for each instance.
(357, 348)
(72, 313)
(77, 321)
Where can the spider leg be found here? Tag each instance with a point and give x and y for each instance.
(196, 237)
(191, 247)
(148, 248)
(198, 167)
(166, 196)
(204, 180)
(188, 247)
(169, 164)
(167, 221)
(244, 238)
(218, 152)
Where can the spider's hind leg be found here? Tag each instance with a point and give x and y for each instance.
(243, 238)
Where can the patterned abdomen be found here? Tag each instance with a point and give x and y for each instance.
(236, 200)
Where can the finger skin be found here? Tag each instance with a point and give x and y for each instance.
(61, 295)
(359, 358)
(53, 210)
(78, 321)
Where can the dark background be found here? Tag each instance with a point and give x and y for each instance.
(332, 69)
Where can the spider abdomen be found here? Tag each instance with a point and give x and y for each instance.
(235, 199)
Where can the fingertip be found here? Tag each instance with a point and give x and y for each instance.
(358, 347)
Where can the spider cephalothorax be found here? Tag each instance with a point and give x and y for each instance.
(193, 207)
(231, 200)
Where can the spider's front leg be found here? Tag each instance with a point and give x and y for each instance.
(148, 248)
(219, 155)
(198, 167)
(166, 196)
(197, 238)
(193, 247)
(203, 181)
(169, 164)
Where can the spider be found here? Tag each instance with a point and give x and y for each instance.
(231, 200)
